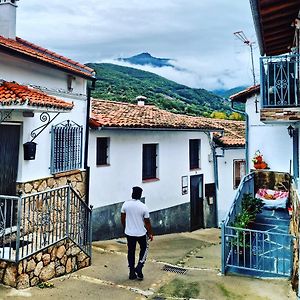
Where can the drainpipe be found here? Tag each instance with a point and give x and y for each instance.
(216, 175)
(246, 133)
(86, 143)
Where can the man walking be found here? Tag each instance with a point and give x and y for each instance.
(137, 225)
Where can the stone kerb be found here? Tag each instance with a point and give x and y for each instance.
(63, 258)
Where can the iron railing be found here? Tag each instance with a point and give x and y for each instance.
(246, 186)
(280, 81)
(258, 251)
(66, 147)
(253, 252)
(34, 222)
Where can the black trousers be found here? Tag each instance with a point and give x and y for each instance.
(131, 244)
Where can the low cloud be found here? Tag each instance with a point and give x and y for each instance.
(197, 34)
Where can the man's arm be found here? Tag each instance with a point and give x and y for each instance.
(123, 219)
(149, 228)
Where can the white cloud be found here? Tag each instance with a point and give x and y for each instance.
(198, 34)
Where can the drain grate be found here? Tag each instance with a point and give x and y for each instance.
(174, 269)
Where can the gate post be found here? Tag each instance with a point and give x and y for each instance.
(19, 227)
(68, 210)
(223, 248)
(90, 231)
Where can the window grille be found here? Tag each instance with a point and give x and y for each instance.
(66, 147)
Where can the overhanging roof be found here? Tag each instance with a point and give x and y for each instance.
(273, 20)
(14, 96)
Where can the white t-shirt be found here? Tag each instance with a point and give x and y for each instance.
(136, 212)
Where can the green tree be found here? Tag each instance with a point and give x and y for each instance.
(236, 116)
(218, 115)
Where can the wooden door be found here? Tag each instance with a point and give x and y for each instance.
(9, 155)
(196, 197)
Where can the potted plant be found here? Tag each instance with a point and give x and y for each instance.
(250, 207)
(258, 161)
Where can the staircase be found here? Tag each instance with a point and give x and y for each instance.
(263, 250)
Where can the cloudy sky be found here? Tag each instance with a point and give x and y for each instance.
(197, 34)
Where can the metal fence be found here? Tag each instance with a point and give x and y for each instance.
(258, 251)
(40, 220)
(280, 80)
(253, 252)
(246, 186)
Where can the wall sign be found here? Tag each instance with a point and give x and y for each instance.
(184, 185)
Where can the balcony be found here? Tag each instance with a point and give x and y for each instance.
(280, 88)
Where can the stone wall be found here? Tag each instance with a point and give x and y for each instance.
(272, 180)
(280, 114)
(62, 258)
(76, 178)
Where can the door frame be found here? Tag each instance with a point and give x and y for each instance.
(201, 223)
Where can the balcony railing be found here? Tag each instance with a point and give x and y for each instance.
(280, 81)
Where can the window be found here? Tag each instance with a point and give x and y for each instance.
(102, 151)
(194, 154)
(149, 161)
(239, 171)
(66, 147)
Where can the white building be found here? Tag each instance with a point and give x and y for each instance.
(270, 138)
(170, 156)
(44, 110)
(230, 163)
(36, 82)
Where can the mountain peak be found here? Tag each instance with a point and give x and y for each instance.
(145, 58)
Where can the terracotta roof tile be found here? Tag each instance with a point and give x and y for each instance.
(121, 114)
(245, 94)
(234, 133)
(21, 46)
(12, 93)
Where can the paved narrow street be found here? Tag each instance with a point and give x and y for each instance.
(198, 252)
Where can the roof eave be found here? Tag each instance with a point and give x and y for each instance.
(39, 61)
(257, 25)
(26, 107)
(103, 127)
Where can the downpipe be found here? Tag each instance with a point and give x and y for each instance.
(246, 133)
(90, 88)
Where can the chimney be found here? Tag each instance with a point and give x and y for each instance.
(8, 13)
(141, 100)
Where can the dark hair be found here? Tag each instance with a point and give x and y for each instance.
(136, 192)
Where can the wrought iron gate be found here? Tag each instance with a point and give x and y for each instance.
(43, 219)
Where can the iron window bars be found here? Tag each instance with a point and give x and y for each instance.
(66, 147)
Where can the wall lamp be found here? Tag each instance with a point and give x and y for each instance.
(291, 131)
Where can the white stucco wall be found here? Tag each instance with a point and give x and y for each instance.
(55, 84)
(112, 184)
(39, 168)
(273, 141)
(226, 191)
(26, 72)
